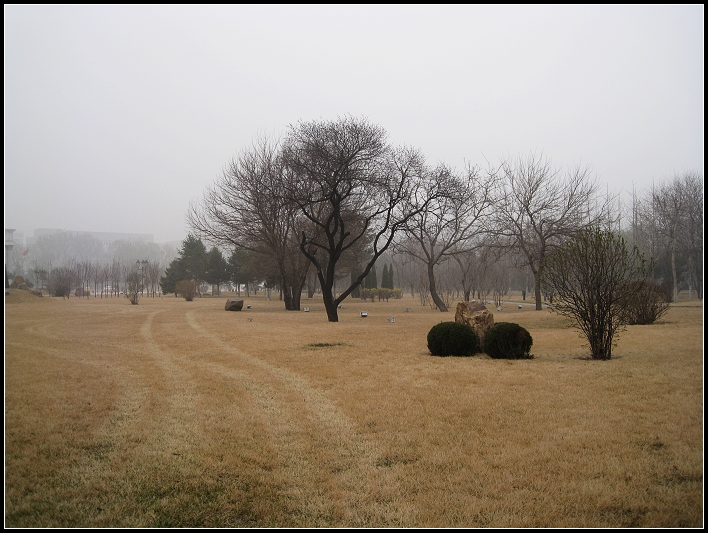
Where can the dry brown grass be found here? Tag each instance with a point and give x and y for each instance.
(175, 413)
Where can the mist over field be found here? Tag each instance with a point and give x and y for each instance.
(118, 117)
(356, 178)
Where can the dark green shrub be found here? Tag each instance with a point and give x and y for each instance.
(506, 340)
(452, 338)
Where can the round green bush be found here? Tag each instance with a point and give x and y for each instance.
(506, 340)
(452, 338)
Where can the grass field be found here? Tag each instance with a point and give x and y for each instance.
(178, 414)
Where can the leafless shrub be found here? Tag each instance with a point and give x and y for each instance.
(648, 302)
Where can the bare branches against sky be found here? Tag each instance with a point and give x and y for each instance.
(116, 117)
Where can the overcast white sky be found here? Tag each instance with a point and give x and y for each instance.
(116, 117)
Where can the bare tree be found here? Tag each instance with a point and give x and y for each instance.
(104, 273)
(62, 279)
(96, 276)
(451, 224)
(499, 281)
(65, 246)
(116, 276)
(592, 277)
(246, 209)
(537, 208)
(466, 262)
(134, 281)
(670, 204)
(350, 185)
(153, 272)
(82, 270)
(41, 275)
(406, 269)
(667, 225)
(642, 232)
(691, 237)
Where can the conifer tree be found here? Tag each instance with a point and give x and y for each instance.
(191, 265)
(370, 282)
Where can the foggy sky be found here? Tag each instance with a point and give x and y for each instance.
(116, 117)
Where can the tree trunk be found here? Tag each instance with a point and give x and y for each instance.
(537, 288)
(297, 293)
(328, 299)
(286, 293)
(433, 291)
(673, 269)
(537, 277)
(297, 289)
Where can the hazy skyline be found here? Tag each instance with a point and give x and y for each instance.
(117, 117)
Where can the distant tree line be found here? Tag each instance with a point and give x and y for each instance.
(334, 198)
(666, 224)
(70, 263)
(84, 279)
(322, 207)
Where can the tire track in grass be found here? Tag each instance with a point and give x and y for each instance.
(318, 445)
(179, 394)
(92, 438)
(303, 485)
(302, 494)
(152, 440)
(145, 446)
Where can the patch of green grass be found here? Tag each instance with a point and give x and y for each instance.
(325, 344)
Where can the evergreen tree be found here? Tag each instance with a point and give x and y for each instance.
(191, 265)
(370, 281)
(387, 281)
(244, 268)
(194, 255)
(174, 273)
(234, 272)
(356, 293)
(217, 269)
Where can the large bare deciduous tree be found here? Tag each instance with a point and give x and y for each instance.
(351, 186)
(247, 210)
(538, 207)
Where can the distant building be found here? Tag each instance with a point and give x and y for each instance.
(9, 240)
(9, 245)
(106, 238)
(19, 238)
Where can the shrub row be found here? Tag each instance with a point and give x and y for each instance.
(382, 293)
(505, 340)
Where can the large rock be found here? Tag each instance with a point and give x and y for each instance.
(233, 305)
(477, 316)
